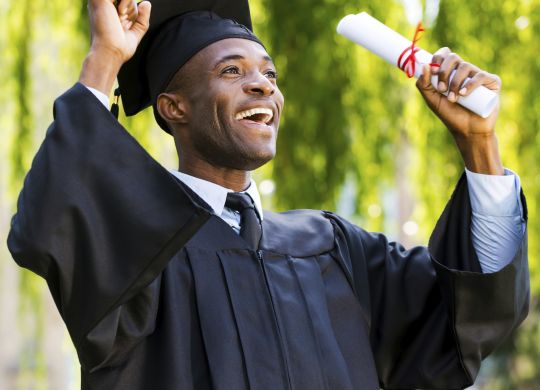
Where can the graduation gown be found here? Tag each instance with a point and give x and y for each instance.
(158, 293)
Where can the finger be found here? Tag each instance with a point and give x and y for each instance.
(431, 96)
(481, 78)
(438, 58)
(127, 10)
(122, 5)
(424, 81)
(126, 24)
(448, 65)
(141, 24)
(132, 11)
(463, 71)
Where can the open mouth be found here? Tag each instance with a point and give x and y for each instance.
(258, 115)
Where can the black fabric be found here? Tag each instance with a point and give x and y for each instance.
(322, 304)
(179, 29)
(250, 226)
(80, 179)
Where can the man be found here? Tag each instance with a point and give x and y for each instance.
(167, 281)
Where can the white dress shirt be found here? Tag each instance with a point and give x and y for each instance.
(497, 223)
(216, 196)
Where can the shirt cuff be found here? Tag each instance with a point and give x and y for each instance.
(494, 195)
(104, 99)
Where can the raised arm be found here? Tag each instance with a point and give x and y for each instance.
(115, 36)
(497, 223)
(474, 136)
(98, 218)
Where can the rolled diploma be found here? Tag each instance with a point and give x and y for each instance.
(381, 40)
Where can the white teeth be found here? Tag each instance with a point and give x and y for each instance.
(268, 114)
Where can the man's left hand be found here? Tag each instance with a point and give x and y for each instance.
(474, 135)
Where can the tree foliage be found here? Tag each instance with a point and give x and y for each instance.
(352, 124)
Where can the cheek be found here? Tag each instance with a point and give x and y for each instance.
(208, 119)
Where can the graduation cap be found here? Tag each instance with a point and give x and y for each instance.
(178, 30)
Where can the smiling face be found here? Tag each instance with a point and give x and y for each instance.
(229, 106)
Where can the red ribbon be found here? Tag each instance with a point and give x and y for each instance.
(407, 59)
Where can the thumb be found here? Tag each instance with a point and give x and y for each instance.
(432, 97)
(141, 24)
(424, 82)
(425, 87)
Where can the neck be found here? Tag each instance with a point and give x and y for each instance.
(236, 180)
(193, 164)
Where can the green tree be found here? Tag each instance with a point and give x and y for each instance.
(351, 121)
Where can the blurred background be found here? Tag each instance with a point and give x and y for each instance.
(355, 134)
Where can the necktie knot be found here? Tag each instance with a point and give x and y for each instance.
(239, 201)
(250, 226)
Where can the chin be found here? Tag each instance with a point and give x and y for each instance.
(254, 160)
(255, 163)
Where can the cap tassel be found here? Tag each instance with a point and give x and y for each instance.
(114, 107)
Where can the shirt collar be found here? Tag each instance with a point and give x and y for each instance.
(216, 195)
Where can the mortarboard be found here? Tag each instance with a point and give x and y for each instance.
(178, 30)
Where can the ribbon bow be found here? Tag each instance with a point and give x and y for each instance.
(407, 59)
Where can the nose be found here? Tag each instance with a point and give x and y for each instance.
(259, 85)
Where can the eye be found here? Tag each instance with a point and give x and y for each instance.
(271, 74)
(231, 70)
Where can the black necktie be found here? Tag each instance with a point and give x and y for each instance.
(250, 227)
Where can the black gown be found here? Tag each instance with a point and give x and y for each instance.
(158, 293)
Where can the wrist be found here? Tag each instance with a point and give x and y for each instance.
(480, 153)
(99, 70)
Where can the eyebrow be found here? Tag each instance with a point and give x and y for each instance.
(239, 57)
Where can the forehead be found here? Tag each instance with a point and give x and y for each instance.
(230, 47)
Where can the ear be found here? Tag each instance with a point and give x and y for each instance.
(172, 107)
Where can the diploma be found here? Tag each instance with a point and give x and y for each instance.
(381, 40)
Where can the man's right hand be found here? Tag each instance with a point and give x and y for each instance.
(115, 37)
